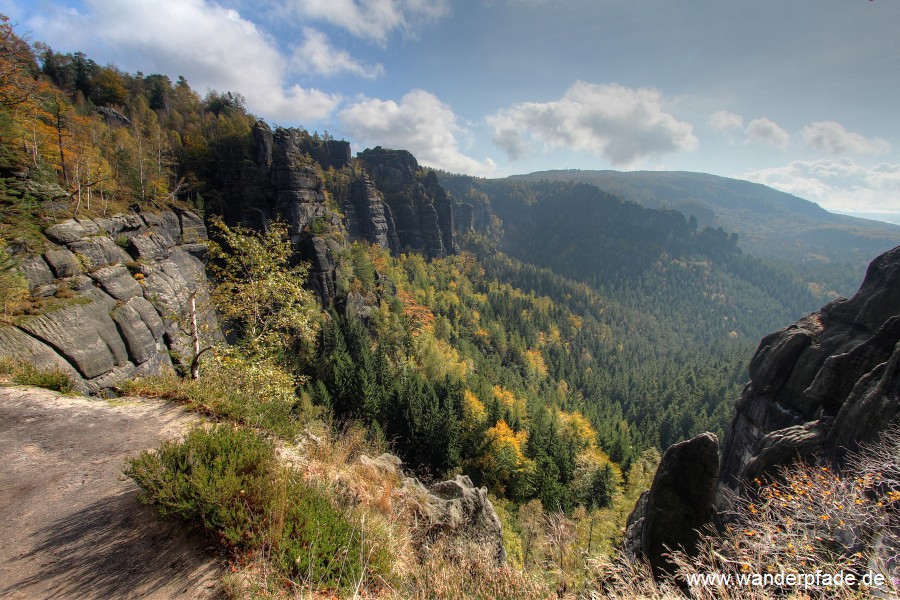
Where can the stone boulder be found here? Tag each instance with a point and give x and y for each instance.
(62, 262)
(454, 511)
(678, 505)
(36, 271)
(117, 281)
(458, 508)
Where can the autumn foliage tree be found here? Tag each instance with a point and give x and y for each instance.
(259, 293)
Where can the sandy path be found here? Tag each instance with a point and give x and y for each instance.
(70, 526)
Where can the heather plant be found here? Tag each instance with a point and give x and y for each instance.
(228, 481)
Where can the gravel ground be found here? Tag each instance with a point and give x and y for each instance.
(70, 526)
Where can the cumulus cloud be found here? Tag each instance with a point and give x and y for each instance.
(212, 46)
(832, 138)
(420, 123)
(766, 131)
(724, 121)
(317, 56)
(838, 184)
(375, 20)
(621, 124)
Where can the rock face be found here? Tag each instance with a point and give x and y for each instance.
(678, 504)
(368, 217)
(283, 182)
(822, 386)
(132, 278)
(422, 211)
(453, 510)
(389, 206)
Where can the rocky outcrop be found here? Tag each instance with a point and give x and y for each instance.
(453, 510)
(823, 386)
(388, 206)
(422, 211)
(367, 217)
(679, 503)
(124, 286)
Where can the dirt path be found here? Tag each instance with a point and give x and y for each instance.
(70, 526)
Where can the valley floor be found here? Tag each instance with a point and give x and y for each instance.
(69, 523)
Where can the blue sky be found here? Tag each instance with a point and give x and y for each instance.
(800, 94)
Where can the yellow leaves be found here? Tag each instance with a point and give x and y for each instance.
(439, 359)
(473, 408)
(578, 428)
(506, 397)
(503, 461)
(501, 435)
(536, 365)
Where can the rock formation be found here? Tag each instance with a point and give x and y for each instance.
(678, 504)
(823, 386)
(124, 285)
(421, 209)
(368, 217)
(453, 510)
(392, 206)
(818, 390)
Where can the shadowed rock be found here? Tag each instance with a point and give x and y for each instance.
(679, 503)
(823, 386)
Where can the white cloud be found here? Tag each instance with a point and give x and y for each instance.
(420, 123)
(370, 19)
(766, 131)
(317, 56)
(621, 124)
(722, 120)
(212, 46)
(837, 184)
(832, 138)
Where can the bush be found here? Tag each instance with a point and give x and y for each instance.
(228, 481)
(258, 393)
(216, 479)
(27, 374)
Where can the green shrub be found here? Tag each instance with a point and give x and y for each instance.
(28, 374)
(228, 481)
(256, 393)
(216, 479)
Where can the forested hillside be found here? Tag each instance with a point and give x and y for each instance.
(828, 250)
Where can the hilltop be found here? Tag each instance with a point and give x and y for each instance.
(770, 223)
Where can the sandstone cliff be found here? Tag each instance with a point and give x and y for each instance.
(386, 200)
(823, 386)
(123, 286)
(422, 210)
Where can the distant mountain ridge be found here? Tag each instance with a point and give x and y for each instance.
(770, 223)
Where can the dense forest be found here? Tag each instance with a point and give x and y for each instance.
(569, 335)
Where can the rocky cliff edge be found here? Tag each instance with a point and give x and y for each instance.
(122, 289)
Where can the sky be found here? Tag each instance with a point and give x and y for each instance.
(800, 95)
